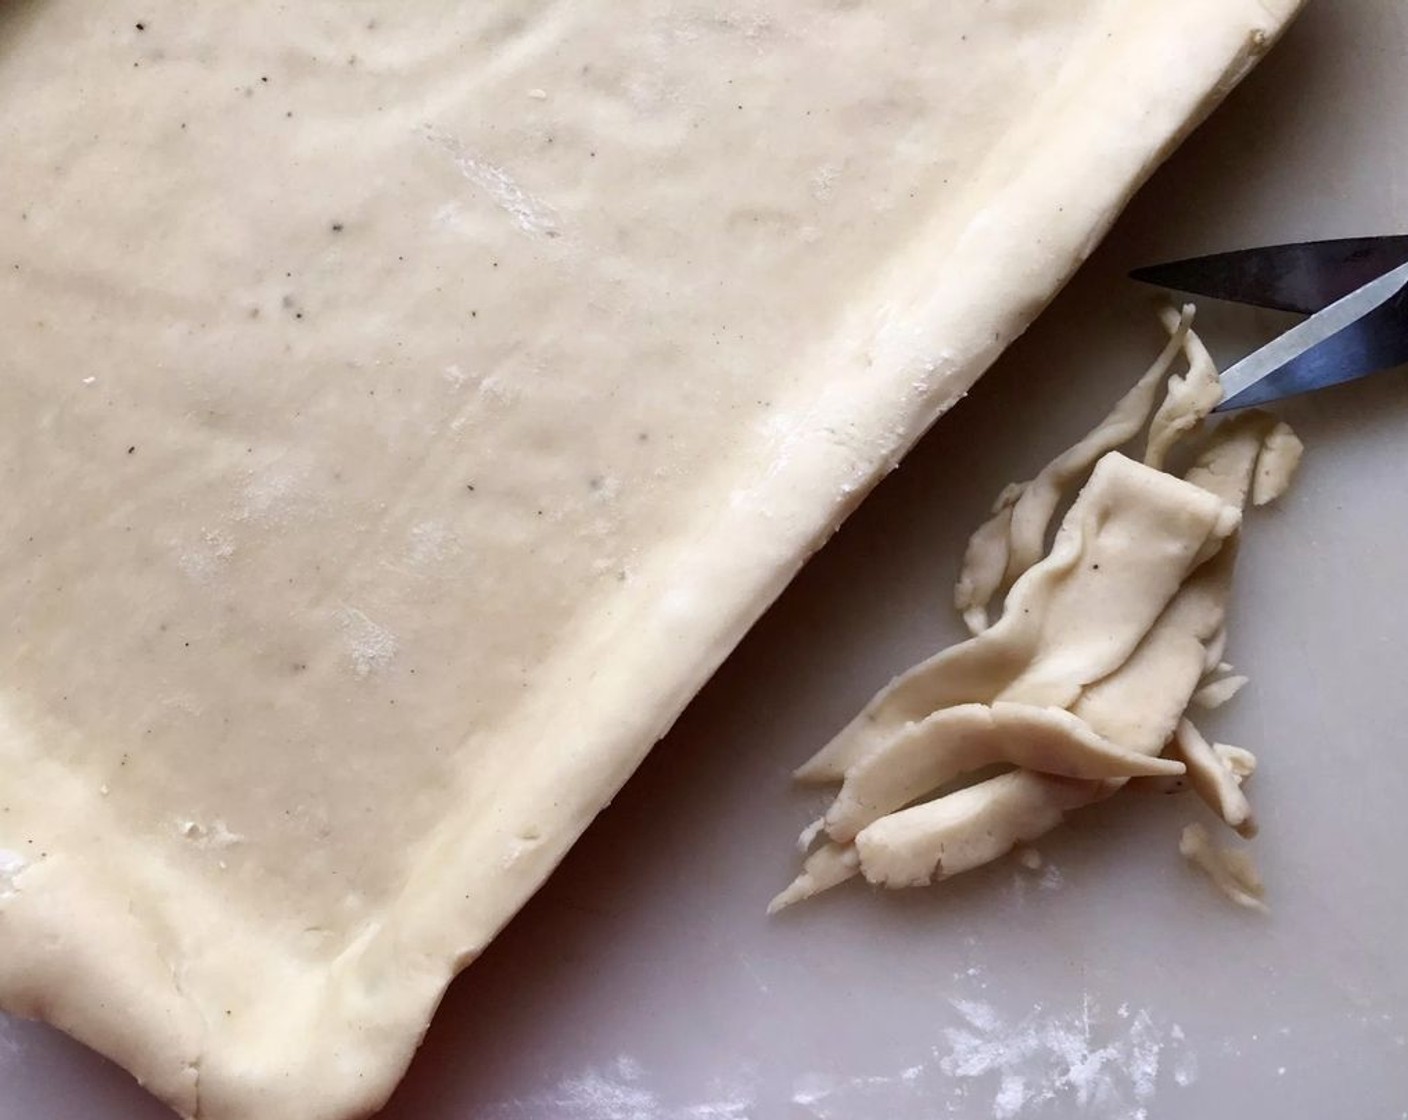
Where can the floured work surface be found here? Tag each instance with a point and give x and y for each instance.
(403, 414)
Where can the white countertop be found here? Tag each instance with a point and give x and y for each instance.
(645, 983)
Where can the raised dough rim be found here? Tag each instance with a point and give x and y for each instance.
(1034, 230)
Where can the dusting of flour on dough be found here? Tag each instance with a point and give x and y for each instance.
(203, 559)
(823, 180)
(370, 645)
(216, 835)
(430, 541)
(497, 389)
(12, 864)
(275, 491)
(529, 214)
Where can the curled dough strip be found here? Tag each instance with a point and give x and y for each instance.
(1189, 399)
(969, 828)
(1280, 456)
(1227, 464)
(932, 753)
(1213, 780)
(1014, 538)
(985, 563)
(1216, 693)
(1240, 761)
(828, 866)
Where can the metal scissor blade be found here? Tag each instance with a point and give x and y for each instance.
(1364, 332)
(1305, 277)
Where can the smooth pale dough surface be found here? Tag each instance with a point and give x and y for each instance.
(404, 408)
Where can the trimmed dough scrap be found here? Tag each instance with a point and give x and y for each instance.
(406, 407)
(1082, 684)
(1230, 870)
(1213, 777)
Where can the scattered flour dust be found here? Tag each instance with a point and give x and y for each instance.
(827, 1097)
(1064, 1063)
(12, 1047)
(1034, 872)
(1046, 1064)
(619, 1092)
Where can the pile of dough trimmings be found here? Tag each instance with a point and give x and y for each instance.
(1084, 682)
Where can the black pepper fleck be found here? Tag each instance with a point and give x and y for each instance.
(337, 227)
(141, 27)
(132, 450)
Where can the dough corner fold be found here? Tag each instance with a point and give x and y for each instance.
(383, 484)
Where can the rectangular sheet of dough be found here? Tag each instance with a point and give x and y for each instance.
(406, 407)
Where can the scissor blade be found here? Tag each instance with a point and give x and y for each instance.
(1364, 332)
(1305, 277)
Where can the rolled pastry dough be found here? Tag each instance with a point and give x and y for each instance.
(406, 407)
